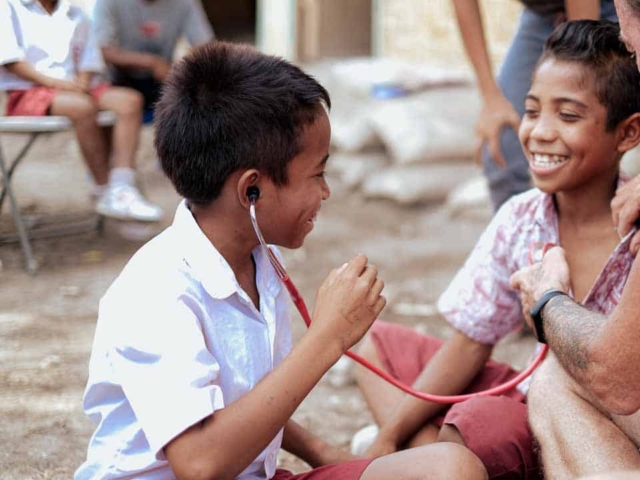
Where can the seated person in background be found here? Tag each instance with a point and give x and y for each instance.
(581, 116)
(138, 39)
(197, 377)
(48, 66)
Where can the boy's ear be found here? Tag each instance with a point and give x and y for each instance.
(629, 131)
(249, 178)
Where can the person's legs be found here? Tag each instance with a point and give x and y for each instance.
(443, 461)
(496, 430)
(575, 437)
(127, 105)
(515, 80)
(82, 110)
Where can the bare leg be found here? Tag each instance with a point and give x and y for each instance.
(441, 461)
(383, 398)
(127, 105)
(576, 438)
(82, 111)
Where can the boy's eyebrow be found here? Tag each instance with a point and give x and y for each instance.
(560, 100)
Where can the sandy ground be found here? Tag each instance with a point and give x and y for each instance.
(47, 321)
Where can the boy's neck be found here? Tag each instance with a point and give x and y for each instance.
(230, 237)
(587, 204)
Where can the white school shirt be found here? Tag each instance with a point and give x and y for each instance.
(178, 339)
(58, 45)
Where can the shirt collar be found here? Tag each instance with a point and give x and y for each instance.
(210, 267)
(61, 8)
(548, 215)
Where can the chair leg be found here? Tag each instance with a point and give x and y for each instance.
(32, 264)
(14, 164)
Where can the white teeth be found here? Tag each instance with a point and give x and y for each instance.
(542, 160)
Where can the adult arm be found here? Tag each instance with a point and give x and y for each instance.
(449, 372)
(496, 112)
(310, 448)
(218, 447)
(601, 353)
(129, 59)
(582, 9)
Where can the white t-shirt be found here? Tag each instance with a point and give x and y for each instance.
(177, 339)
(58, 45)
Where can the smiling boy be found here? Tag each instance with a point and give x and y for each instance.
(196, 376)
(582, 114)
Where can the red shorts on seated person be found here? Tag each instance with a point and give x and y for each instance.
(36, 101)
(495, 428)
(341, 471)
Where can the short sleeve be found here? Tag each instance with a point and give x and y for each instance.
(166, 372)
(91, 58)
(479, 302)
(105, 23)
(197, 28)
(10, 48)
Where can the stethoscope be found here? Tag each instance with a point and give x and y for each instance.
(253, 194)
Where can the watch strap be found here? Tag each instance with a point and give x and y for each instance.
(536, 313)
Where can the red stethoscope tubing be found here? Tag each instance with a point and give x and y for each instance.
(443, 399)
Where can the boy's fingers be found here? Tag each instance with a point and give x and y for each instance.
(357, 264)
(333, 274)
(379, 305)
(369, 274)
(634, 246)
(376, 290)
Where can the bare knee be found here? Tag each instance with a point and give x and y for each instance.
(547, 387)
(77, 106)
(367, 350)
(125, 102)
(449, 433)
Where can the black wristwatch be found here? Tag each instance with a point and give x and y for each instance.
(536, 313)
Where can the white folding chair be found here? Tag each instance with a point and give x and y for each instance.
(34, 127)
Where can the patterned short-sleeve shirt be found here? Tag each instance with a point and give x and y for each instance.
(480, 303)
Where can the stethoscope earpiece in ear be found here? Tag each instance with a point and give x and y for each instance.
(253, 193)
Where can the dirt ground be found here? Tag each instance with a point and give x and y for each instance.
(47, 321)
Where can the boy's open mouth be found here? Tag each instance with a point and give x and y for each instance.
(543, 161)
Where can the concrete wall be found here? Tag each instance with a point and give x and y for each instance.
(426, 30)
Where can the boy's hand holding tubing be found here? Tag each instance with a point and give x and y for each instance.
(348, 302)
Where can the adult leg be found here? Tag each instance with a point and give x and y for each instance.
(515, 80)
(575, 436)
(127, 105)
(441, 461)
(82, 110)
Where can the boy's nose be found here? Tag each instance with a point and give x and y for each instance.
(543, 130)
(326, 191)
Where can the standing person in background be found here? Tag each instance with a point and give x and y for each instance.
(499, 150)
(48, 66)
(139, 37)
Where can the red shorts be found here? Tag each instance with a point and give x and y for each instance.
(341, 471)
(37, 101)
(496, 429)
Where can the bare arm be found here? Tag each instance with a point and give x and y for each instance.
(496, 112)
(218, 447)
(582, 9)
(128, 59)
(601, 353)
(27, 72)
(449, 372)
(298, 441)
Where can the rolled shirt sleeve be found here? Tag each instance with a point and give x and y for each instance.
(479, 302)
(168, 375)
(90, 59)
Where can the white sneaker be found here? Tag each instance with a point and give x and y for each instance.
(363, 439)
(125, 202)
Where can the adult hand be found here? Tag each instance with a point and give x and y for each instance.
(348, 302)
(625, 208)
(496, 114)
(534, 281)
(160, 69)
(380, 447)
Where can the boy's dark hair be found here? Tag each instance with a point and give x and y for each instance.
(635, 5)
(596, 45)
(226, 107)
